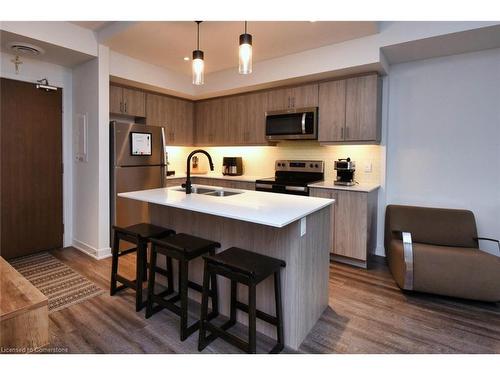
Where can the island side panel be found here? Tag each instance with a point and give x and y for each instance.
(314, 268)
(298, 278)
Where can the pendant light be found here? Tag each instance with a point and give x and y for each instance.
(198, 63)
(245, 52)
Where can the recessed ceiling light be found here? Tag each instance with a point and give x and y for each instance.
(186, 58)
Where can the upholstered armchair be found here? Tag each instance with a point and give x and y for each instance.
(436, 250)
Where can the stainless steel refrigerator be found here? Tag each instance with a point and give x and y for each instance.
(138, 162)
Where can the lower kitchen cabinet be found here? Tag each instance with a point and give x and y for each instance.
(354, 224)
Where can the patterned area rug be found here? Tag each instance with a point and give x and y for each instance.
(62, 286)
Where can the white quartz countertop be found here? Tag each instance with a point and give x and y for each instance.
(246, 178)
(363, 187)
(276, 210)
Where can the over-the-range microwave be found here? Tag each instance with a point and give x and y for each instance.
(299, 123)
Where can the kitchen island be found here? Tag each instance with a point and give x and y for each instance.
(295, 229)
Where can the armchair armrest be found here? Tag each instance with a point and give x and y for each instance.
(488, 239)
(408, 258)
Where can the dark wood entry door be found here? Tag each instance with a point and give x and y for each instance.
(31, 169)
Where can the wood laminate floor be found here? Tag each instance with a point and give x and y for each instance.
(367, 313)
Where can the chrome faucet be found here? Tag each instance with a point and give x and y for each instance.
(187, 185)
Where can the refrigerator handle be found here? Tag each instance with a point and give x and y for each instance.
(164, 167)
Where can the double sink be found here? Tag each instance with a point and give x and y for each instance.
(211, 192)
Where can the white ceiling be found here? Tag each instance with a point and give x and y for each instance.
(92, 25)
(52, 53)
(166, 43)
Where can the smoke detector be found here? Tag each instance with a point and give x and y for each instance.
(22, 48)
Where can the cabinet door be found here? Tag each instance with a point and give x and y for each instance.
(331, 111)
(304, 96)
(351, 225)
(235, 120)
(278, 99)
(362, 104)
(182, 134)
(330, 194)
(155, 112)
(254, 131)
(134, 102)
(201, 130)
(115, 99)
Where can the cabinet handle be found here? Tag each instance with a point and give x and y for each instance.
(346, 132)
(293, 102)
(288, 102)
(342, 133)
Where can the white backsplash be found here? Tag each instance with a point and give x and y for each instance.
(259, 160)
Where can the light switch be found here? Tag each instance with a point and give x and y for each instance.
(368, 167)
(303, 225)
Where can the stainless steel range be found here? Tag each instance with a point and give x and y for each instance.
(292, 177)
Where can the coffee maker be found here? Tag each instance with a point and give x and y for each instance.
(345, 172)
(232, 166)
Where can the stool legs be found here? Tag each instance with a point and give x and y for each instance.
(252, 319)
(139, 265)
(279, 314)
(234, 297)
(204, 309)
(183, 291)
(114, 263)
(151, 282)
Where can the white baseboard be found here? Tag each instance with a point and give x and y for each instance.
(92, 251)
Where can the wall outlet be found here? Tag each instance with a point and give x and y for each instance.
(368, 167)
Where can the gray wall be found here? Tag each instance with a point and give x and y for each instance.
(443, 136)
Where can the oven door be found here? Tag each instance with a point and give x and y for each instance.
(293, 124)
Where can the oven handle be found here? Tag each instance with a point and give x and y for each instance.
(264, 186)
(304, 123)
(296, 188)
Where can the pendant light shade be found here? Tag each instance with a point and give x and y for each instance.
(198, 62)
(245, 53)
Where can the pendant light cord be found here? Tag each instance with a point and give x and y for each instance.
(245, 27)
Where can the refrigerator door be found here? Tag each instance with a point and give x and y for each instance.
(127, 149)
(127, 211)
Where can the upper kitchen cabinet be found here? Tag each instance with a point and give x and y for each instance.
(350, 110)
(363, 108)
(293, 97)
(175, 115)
(254, 128)
(125, 101)
(210, 122)
(232, 120)
(331, 126)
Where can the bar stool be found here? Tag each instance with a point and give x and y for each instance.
(249, 268)
(184, 248)
(140, 235)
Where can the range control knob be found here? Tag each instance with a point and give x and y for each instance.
(310, 165)
(316, 165)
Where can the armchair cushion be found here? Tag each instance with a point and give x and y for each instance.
(456, 271)
(436, 226)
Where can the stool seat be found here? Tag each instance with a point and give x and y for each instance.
(190, 246)
(255, 266)
(145, 230)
